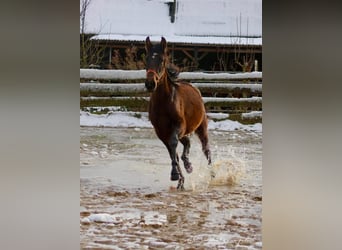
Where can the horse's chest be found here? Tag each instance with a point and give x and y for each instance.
(163, 111)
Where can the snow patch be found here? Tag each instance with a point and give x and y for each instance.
(229, 125)
(154, 218)
(114, 119)
(103, 218)
(140, 120)
(214, 240)
(148, 218)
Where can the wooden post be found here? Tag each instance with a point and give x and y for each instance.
(110, 56)
(173, 53)
(196, 57)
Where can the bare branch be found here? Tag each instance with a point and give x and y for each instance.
(84, 6)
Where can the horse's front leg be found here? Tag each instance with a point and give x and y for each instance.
(185, 140)
(176, 173)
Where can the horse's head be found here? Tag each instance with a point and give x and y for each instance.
(156, 56)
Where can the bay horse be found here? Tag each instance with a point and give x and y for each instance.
(176, 109)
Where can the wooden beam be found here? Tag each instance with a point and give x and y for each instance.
(202, 56)
(188, 55)
(190, 47)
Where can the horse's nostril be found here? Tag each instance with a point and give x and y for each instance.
(150, 85)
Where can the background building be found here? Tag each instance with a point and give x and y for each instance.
(206, 35)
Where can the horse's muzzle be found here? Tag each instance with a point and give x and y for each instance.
(151, 80)
(150, 85)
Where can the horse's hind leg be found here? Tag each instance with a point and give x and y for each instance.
(202, 132)
(185, 140)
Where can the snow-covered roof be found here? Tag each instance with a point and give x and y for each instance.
(196, 21)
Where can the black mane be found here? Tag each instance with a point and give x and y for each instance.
(172, 72)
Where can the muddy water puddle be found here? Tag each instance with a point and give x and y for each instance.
(128, 202)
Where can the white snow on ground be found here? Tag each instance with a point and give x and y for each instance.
(229, 125)
(140, 120)
(213, 240)
(114, 119)
(105, 218)
(152, 218)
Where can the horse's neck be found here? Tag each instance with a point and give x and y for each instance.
(166, 85)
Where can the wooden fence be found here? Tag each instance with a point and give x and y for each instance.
(235, 94)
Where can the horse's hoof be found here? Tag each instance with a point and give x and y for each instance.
(180, 186)
(174, 176)
(188, 168)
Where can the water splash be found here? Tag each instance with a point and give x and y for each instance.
(228, 172)
(200, 178)
(222, 172)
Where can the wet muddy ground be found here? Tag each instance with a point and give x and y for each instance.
(128, 202)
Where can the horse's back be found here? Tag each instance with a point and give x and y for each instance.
(190, 95)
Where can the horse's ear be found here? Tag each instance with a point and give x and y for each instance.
(163, 44)
(148, 44)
